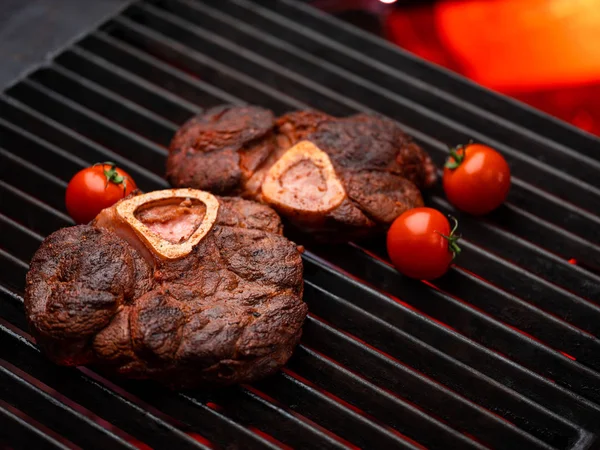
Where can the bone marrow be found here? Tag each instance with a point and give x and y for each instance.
(182, 227)
(303, 180)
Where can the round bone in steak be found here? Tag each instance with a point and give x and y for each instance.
(178, 286)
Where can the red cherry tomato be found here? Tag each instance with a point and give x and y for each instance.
(421, 244)
(95, 188)
(476, 178)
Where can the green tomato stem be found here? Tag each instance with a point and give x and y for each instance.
(456, 155)
(112, 176)
(453, 239)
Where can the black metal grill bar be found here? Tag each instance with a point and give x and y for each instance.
(531, 288)
(533, 257)
(90, 394)
(356, 390)
(90, 124)
(195, 414)
(13, 269)
(232, 81)
(433, 362)
(19, 433)
(162, 46)
(428, 331)
(525, 119)
(31, 146)
(17, 172)
(376, 366)
(224, 430)
(111, 52)
(250, 407)
(502, 307)
(24, 243)
(58, 137)
(12, 310)
(234, 50)
(552, 208)
(44, 408)
(106, 103)
(22, 207)
(312, 403)
(517, 313)
(468, 321)
(544, 234)
(539, 231)
(191, 414)
(566, 268)
(150, 96)
(505, 437)
(285, 33)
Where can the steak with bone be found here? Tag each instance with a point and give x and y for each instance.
(338, 178)
(179, 286)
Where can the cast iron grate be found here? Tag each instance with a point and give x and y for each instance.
(502, 353)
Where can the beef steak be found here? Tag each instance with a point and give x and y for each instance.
(336, 178)
(178, 286)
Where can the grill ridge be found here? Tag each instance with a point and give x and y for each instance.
(500, 353)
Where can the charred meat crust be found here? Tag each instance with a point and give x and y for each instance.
(228, 312)
(214, 151)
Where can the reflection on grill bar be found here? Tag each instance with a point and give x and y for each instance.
(502, 353)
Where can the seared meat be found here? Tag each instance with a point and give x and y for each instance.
(336, 178)
(221, 149)
(178, 286)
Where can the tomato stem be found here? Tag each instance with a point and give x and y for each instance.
(453, 239)
(457, 156)
(112, 176)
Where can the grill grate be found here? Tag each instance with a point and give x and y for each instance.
(501, 353)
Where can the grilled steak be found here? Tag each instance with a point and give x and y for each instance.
(336, 178)
(178, 286)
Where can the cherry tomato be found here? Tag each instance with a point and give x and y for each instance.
(95, 188)
(476, 178)
(421, 244)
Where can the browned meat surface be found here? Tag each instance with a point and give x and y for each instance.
(335, 178)
(219, 150)
(229, 311)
